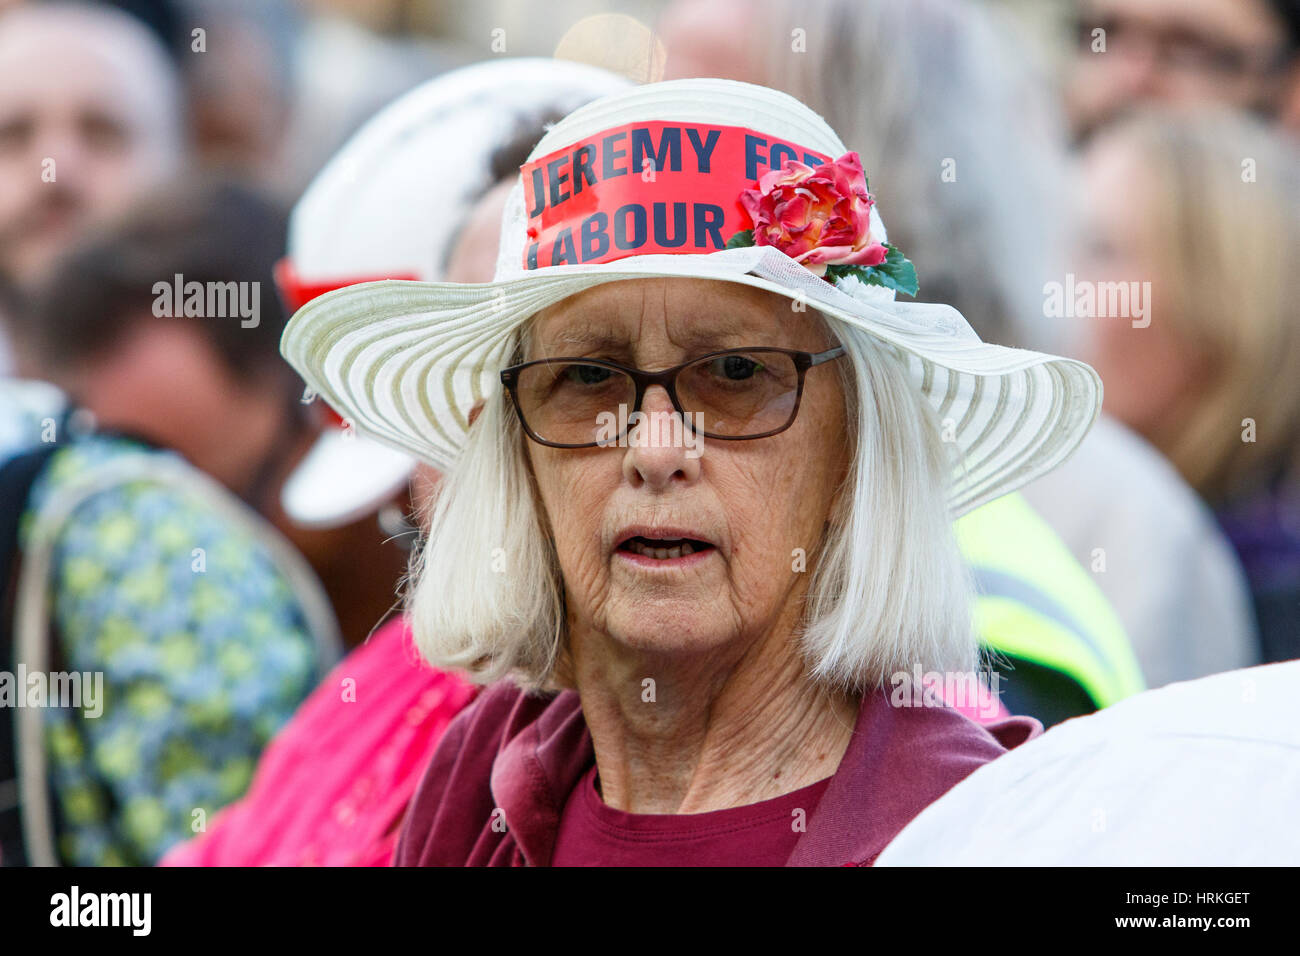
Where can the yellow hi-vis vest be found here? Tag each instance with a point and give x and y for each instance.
(1037, 603)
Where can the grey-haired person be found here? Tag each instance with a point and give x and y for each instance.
(699, 532)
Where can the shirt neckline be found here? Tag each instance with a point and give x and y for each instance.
(692, 826)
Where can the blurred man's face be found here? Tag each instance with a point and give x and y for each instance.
(1178, 51)
(87, 124)
(162, 380)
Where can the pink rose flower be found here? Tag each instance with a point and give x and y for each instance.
(818, 217)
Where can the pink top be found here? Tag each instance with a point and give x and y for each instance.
(331, 788)
(760, 834)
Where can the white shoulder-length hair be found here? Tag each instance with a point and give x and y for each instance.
(889, 589)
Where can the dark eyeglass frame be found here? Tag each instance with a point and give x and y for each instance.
(667, 378)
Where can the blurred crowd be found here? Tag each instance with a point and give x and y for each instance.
(1115, 180)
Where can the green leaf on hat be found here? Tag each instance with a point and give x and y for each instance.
(896, 272)
(741, 239)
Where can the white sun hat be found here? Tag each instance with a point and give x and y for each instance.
(388, 205)
(647, 183)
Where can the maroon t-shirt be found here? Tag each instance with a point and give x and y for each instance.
(505, 770)
(759, 834)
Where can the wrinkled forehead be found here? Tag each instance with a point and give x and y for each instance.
(687, 314)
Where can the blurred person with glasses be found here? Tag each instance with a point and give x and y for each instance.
(1239, 53)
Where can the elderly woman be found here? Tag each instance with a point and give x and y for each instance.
(698, 537)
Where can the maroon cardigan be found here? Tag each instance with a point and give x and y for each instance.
(499, 779)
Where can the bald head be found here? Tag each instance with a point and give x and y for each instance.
(90, 119)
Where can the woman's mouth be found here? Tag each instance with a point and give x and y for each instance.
(664, 550)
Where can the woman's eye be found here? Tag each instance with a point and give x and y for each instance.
(586, 374)
(735, 367)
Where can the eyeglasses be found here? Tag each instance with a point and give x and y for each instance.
(732, 395)
(1183, 51)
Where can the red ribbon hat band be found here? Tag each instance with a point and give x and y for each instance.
(297, 291)
(647, 188)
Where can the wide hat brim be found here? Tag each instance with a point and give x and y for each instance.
(407, 361)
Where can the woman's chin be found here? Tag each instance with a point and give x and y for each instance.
(670, 626)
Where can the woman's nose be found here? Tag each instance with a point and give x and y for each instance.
(657, 399)
(659, 446)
